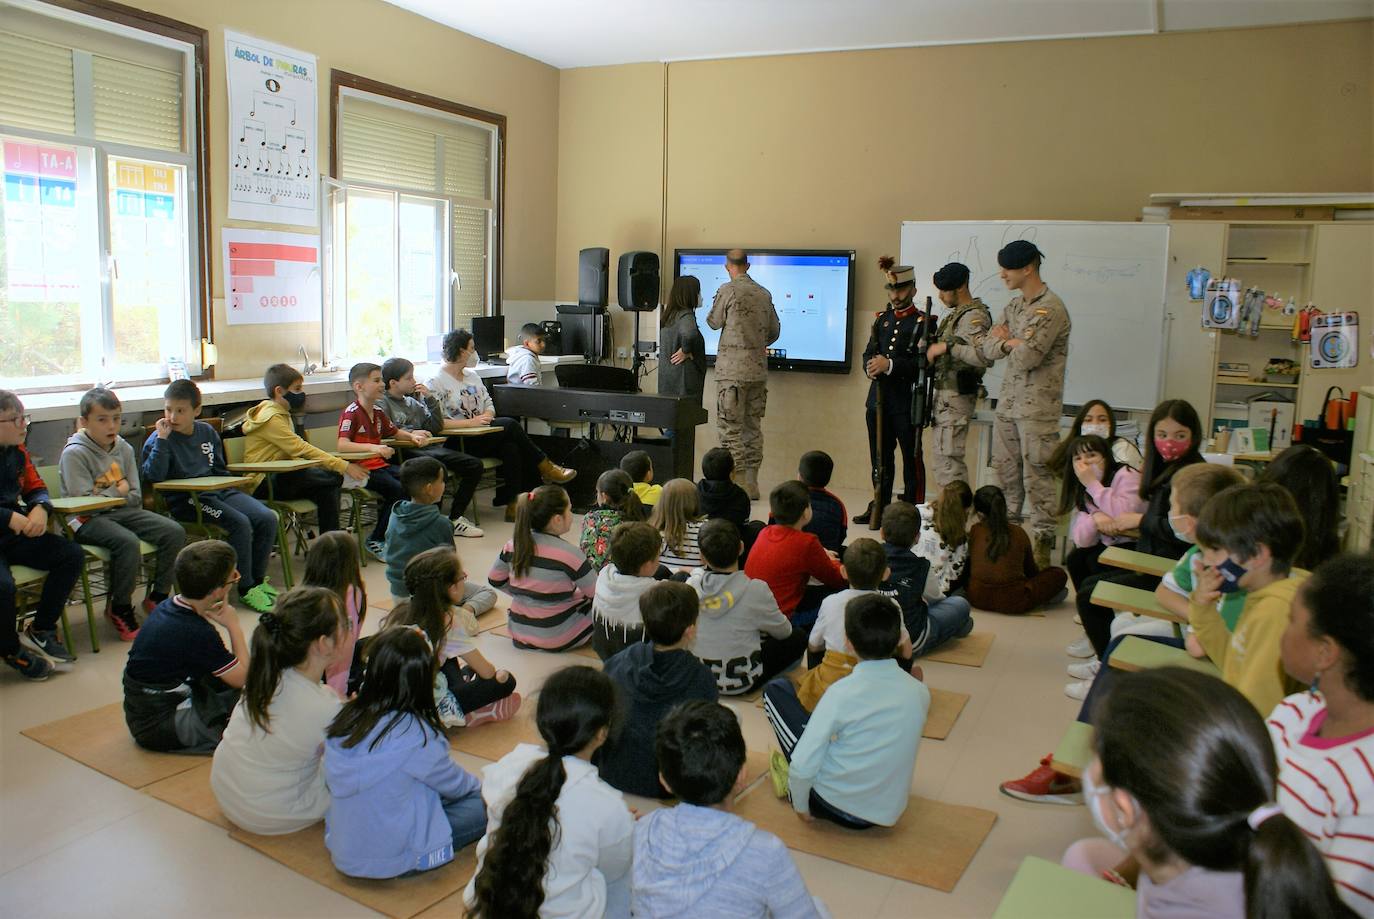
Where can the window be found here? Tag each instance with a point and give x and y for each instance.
(412, 219)
(101, 210)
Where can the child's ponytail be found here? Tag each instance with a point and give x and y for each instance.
(992, 505)
(1285, 875)
(533, 511)
(950, 518)
(283, 639)
(575, 706)
(619, 490)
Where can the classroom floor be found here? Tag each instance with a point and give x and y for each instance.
(75, 843)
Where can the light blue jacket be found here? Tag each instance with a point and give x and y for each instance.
(413, 528)
(386, 814)
(859, 748)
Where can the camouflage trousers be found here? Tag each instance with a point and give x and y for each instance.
(739, 418)
(1021, 449)
(949, 437)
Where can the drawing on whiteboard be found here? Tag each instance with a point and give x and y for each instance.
(1101, 270)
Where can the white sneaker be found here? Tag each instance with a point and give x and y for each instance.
(1080, 647)
(465, 527)
(1086, 670)
(1078, 689)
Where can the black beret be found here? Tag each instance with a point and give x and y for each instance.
(951, 277)
(1018, 254)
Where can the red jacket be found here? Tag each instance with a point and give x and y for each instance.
(786, 558)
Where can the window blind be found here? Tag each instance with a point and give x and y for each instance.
(135, 104)
(386, 153)
(36, 85)
(469, 243)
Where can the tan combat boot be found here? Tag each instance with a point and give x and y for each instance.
(1044, 546)
(555, 474)
(749, 481)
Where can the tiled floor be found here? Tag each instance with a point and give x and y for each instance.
(74, 843)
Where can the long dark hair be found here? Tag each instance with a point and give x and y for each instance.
(1339, 597)
(950, 513)
(1157, 470)
(398, 682)
(1072, 494)
(428, 577)
(1061, 452)
(333, 562)
(992, 505)
(619, 490)
(283, 639)
(575, 704)
(681, 299)
(1305, 473)
(1195, 755)
(533, 511)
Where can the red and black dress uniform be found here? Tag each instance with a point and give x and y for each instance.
(896, 336)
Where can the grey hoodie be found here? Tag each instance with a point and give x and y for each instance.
(87, 468)
(735, 611)
(700, 861)
(410, 414)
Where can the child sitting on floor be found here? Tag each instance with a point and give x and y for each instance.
(698, 859)
(619, 586)
(468, 689)
(1002, 574)
(640, 469)
(931, 618)
(829, 519)
(742, 635)
(180, 682)
(786, 557)
(559, 840)
(399, 803)
(718, 494)
(550, 607)
(332, 562)
(652, 677)
(417, 524)
(616, 503)
(853, 762)
(268, 773)
(677, 516)
(944, 535)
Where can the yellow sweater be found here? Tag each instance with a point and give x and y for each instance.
(1249, 656)
(836, 665)
(270, 436)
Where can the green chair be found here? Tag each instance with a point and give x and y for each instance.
(327, 439)
(290, 513)
(28, 586)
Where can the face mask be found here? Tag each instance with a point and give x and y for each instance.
(1178, 534)
(1172, 449)
(294, 400)
(472, 359)
(1103, 430)
(1231, 572)
(1093, 795)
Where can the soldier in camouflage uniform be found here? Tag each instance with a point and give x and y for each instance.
(958, 363)
(743, 312)
(1033, 338)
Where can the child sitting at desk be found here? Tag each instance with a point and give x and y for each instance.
(362, 428)
(522, 361)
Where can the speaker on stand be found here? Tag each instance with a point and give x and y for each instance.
(637, 291)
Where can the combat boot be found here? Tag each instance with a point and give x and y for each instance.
(749, 481)
(1044, 546)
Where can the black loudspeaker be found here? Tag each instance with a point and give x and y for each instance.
(638, 281)
(488, 335)
(593, 277)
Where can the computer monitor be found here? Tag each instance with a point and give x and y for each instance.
(489, 336)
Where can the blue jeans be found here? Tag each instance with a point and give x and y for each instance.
(467, 818)
(946, 619)
(249, 525)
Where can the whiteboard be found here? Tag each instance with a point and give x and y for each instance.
(1111, 277)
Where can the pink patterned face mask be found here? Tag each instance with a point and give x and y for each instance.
(1172, 449)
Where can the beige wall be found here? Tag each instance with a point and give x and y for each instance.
(835, 150)
(380, 41)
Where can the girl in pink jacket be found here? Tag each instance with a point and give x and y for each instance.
(1096, 488)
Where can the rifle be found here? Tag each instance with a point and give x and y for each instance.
(923, 397)
(875, 515)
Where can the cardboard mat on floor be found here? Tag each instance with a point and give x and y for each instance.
(100, 739)
(584, 651)
(190, 791)
(304, 853)
(931, 845)
(945, 708)
(969, 651)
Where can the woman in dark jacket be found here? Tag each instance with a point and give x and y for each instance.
(681, 349)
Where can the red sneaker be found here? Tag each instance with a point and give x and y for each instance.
(124, 622)
(1044, 785)
(500, 710)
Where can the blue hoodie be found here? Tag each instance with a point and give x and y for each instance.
(386, 816)
(413, 528)
(700, 861)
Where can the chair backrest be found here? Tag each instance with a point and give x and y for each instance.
(324, 438)
(51, 478)
(215, 422)
(234, 448)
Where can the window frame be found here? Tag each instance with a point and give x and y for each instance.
(340, 80)
(200, 317)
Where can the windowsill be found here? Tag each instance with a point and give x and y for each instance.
(56, 406)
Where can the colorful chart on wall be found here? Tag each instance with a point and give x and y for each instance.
(272, 132)
(41, 204)
(271, 277)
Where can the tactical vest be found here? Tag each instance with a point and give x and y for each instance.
(951, 373)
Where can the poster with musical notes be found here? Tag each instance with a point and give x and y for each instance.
(272, 132)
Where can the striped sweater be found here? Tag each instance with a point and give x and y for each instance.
(687, 555)
(1326, 786)
(550, 608)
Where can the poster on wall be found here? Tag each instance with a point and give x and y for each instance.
(41, 206)
(272, 132)
(271, 277)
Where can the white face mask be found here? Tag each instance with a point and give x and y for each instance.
(1179, 534)
(472, 359)
(1103, 430)
(1093, 795)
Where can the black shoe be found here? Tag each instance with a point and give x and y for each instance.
(31, 666)
(865, 516)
